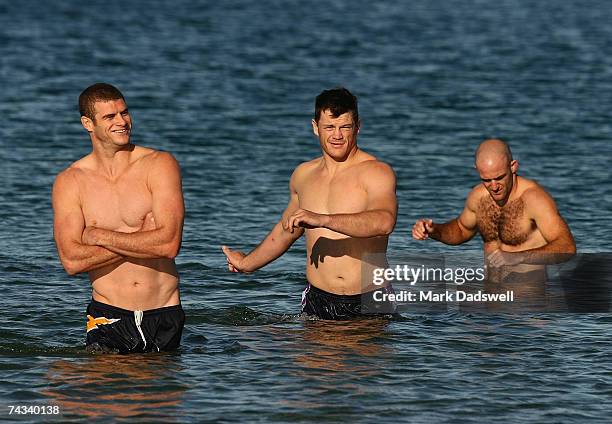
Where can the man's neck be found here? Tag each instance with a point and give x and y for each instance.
(112, 160)
(333, 165)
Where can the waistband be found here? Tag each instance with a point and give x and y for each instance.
(155, 311)
(346, 297)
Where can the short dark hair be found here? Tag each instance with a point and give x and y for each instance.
(338, 101)
(99, 92)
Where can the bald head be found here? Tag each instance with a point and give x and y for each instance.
(492, 151)
(497, 169)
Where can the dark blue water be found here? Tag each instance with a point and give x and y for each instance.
(229, 88)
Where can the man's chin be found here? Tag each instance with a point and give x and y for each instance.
(338, 154)
(124, 141)
(338, 157)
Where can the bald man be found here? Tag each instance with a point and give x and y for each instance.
(517, 219)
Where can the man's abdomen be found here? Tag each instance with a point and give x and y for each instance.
(336, 275)
(137, 284)
(336, 265)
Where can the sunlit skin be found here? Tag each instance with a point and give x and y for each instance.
(498, 177)
(345, 204)
(543, 231)
(111, 126)
(338, 141)
(337, 135)
(118, 215)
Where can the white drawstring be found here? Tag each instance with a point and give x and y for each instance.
(138, 320)
(304, 293)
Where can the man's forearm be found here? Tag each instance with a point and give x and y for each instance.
(141, 244)
(363, 224)
(277, 242)
(87, 258)
(557, 251)
(449, 233)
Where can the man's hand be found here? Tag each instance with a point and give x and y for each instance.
(305, 219)
(148, 223)
(234, 259)
(500, 258)
(89, 236)
(421, 229)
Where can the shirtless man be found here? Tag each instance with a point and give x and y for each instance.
(517, 219)
(118, 215)
(344, 201)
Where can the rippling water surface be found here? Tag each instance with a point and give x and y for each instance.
(229, 88)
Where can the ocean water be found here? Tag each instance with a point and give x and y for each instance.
(228, 87)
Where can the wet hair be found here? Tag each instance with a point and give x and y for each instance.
(99, 92)
(338, 101)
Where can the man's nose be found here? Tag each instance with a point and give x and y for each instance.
(337, 133)
(120, 119)
(494, 185)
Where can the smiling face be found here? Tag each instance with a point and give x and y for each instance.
(497, 175)
(112, 123)
(337, 135)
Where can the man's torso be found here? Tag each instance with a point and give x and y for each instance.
(121, 204)
(334, 259)
(509, 228)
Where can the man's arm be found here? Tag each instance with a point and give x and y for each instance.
(168, 209)
(456, 231)
(277, 242)
(552, 226)
(377, 220)
(560, 244)
(68, 225)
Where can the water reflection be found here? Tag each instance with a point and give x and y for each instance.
(118, 386)
(346, 347)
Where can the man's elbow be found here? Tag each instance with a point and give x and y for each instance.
(171, 250)
(71, 267)
(387, 225)
(566, 244)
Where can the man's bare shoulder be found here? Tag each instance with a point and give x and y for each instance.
(67, 177)
(304, 169)
(154, 160)
(141, 153)
(308, 165)
(74, 171)
(525, 184)
(66, 185)
(161, 156)
(87, 162)
(475, 196)
(375, 168)
(535, 196)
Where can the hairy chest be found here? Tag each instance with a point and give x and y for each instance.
(508, 224)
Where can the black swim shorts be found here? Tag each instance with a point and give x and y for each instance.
(324, 305)
(112, 329)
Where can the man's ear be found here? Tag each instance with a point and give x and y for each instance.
(514, 165)
(87, 123)
(315, 128)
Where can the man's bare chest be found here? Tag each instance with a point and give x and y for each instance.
(119, 204)
(335, 195)
(508, 224)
